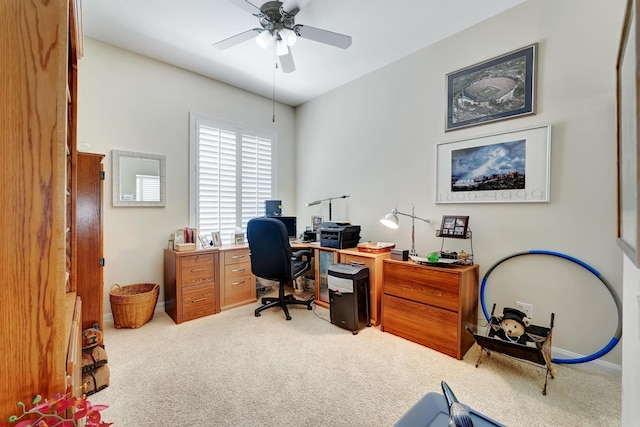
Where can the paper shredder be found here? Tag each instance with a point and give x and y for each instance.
(349, 296)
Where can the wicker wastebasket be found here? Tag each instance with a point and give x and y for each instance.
(133, 305)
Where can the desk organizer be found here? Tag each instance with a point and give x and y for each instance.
(539, 354)
(375, 247)
(185, 247)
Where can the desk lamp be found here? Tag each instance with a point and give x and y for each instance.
(391, 220)
(317, 202)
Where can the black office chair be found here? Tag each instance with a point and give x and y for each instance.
(272, 259)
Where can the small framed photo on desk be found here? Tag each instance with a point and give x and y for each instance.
(215, 237)
(454, 226)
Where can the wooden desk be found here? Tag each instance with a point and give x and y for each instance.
(430, 305)
(324, 257)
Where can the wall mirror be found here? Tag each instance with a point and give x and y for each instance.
(139, 179)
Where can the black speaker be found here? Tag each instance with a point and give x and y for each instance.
(273, 207)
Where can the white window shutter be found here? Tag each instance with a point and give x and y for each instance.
(233, 178)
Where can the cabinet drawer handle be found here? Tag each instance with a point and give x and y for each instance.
(238, 269)
(199, 299)
(193, 270)
(238, 256)
(238, 283)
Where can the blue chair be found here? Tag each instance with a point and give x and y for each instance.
(273, 259)
(444, 410)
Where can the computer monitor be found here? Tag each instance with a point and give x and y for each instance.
(290, 222)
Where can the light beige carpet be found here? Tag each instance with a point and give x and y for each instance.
(234, 369)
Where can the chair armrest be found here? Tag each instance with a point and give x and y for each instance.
(297, 255)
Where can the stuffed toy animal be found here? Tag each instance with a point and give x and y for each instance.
(513, 326)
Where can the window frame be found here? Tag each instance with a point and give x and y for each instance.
(195, 121)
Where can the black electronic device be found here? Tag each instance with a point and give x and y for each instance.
(310, 236)
(349, 296)
(290, 222)
(448, 254)
(273, 207)
(339, 236)
(400, 254)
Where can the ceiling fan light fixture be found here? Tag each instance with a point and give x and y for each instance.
(288, 36)
(264, 38)
(282, 48)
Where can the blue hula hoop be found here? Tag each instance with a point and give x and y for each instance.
(604, 350)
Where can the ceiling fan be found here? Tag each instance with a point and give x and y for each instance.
(279, 25)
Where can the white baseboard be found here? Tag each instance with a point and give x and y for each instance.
(108, 317)
(594, 365)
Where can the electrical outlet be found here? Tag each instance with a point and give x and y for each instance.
(525, 308)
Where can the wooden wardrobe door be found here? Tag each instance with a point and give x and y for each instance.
(89, 238)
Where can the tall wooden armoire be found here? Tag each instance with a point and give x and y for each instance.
(40, 343)
(89, 238)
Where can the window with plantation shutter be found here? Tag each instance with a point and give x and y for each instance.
(231, 175)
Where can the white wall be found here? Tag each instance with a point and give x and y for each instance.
(631, 345)
(374, 139)
(130, 102)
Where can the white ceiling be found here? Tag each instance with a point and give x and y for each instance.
(181, 32)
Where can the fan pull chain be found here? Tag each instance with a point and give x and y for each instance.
(275, 67)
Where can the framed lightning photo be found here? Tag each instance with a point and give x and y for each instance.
(502, 168)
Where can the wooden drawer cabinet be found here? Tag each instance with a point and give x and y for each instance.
(430, 305)
(191, 284)
(238, 285)
(195, 269)
(198, 301)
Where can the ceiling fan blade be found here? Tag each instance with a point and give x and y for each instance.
(289, 10)
(237, 39)
(323, 36)
(292, 7)
(286, 62)
(249, 7)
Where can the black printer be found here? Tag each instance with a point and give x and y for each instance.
(339, 235)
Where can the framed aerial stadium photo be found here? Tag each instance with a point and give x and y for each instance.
(497, 89)
(502, 168)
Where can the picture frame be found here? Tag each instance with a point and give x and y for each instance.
(215, 238)
(506, 167)
(499, 88)
(628, 135)
(454, 226)
(239, 238)
(316, 222)
(204, 242)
